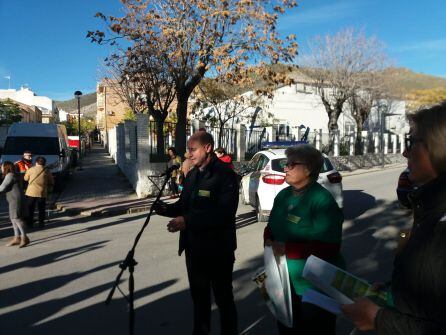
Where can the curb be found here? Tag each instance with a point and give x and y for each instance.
(106, 212)
(373, 169)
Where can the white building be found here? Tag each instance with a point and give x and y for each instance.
(50, 113)
(298, 106)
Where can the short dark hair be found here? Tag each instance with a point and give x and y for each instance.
(172, 149)
(41, 160)
(308, 155)
(27, 152)
(203, 137)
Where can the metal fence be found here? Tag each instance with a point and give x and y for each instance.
(227, 140)
(253, 141)
(158, 151)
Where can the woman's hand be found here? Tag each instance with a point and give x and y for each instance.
(362, 313)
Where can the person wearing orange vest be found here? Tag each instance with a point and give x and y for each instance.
(25, 163)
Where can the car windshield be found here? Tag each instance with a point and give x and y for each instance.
(37, 145)
(279, 164)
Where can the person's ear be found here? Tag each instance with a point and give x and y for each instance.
(208, 148)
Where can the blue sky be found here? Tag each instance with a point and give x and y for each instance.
(43, 42)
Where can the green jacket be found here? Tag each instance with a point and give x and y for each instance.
(308, 223)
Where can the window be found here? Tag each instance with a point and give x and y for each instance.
(37, 145)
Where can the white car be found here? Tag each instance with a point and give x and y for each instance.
(266, 178)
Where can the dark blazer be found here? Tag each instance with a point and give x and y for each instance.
(419, 275)
(208, 203)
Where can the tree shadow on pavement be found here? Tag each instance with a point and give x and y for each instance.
(356, 203)
(53, 257)
(85, 229)
(28, 291)
(168, 314)
(94, 319)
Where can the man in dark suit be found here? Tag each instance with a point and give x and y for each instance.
(205, 217)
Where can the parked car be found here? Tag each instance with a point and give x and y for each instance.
(265, 178)
(405, 186)
(42, 139)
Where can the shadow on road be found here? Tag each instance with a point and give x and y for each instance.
(356, 203)
(171, 314)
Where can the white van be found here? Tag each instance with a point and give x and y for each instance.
(42, 139)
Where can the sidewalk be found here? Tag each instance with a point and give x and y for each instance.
(99, 189)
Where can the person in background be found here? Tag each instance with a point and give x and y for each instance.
(418, 285)
(224, 157)
(174, 160)
(25, 163)
(40, 180)
(205, 217)
(305, 220)
(14, 195)
(187, 165)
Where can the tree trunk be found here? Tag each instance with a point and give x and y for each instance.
(220, 135)
(358, 142)
(180, 130)
(160, 150)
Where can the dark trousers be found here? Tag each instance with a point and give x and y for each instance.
(31, 206)
(173, 185)
(206, 273)
(308, 319)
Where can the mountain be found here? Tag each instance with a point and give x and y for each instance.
(88, 105)
(403, 81)
(71, 105)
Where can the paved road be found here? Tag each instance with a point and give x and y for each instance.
(59, 283)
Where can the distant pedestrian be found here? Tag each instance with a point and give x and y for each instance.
(187, 165)
(25, 163)
(14, 195)
(224, 157)
(174, 160)
(40, 180)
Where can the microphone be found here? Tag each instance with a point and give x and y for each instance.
(169, 171)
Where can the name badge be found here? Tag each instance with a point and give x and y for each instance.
(293, 218)
(204, 193)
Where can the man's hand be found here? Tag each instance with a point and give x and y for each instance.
(176, 224)
(362, 313)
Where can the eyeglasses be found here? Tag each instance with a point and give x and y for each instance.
(290, 165)
(409, 141)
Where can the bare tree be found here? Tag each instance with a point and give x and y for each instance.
(221, 103)
(189, 38)
(122, 85)
(340, 67)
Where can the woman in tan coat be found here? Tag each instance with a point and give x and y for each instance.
(39, 181)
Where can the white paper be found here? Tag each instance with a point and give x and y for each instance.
(335, 282)
(322, 301)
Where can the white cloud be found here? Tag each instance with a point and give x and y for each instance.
(322, 14)
(427, 45)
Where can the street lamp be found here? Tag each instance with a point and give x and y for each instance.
(78, 94)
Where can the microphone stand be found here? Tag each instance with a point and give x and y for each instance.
(130, 263)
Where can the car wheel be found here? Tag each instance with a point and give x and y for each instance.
(260, 217)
